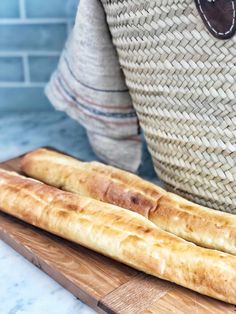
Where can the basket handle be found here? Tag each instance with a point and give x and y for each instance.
(219, 16)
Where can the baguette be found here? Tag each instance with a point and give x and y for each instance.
(120, 234)
(203, 226)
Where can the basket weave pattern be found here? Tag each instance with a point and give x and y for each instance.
(183, 86)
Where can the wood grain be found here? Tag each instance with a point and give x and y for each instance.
(142, 287)
(102, 283)
(180, 300)
(159, 296)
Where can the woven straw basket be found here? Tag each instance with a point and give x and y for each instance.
(182, 81)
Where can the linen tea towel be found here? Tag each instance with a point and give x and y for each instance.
(90, 87)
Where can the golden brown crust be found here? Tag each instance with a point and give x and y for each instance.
(92, 179)
(172, 213)
(120, 234)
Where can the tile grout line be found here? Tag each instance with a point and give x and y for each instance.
(25, 20)
(26, 68)
(38, 53)
(21, 84)
(68, 28)
(22, 10)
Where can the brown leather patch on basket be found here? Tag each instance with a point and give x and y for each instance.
(219, 17)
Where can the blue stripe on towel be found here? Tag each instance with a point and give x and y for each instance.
(116, 115)
(90, 87)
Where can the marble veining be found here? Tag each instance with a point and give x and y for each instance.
(23, 287)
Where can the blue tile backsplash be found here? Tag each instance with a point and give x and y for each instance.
(32, 35)
(9, 9)
(40, 68)
(11, 69)
(57, 8)
(18, 99)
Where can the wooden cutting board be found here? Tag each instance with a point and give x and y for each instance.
(105, 285)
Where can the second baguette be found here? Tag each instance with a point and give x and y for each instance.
(192, 222)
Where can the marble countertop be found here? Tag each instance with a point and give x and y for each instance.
(23, 287)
